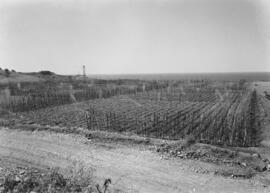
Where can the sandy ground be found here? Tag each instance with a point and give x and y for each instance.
(131, 168)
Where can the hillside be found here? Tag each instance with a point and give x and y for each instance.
(12, 76)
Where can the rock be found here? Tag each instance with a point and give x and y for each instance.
(268, 167)
(265, 160)
(88, 136)
(181, 156)
(256, 155)
(261, 168)
(244, 164)
(17, 179)
(22, 172)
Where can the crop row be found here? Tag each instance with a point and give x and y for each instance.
(228, 121)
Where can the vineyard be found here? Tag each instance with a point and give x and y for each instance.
(34, 96)
(228, 118)
(211, 114)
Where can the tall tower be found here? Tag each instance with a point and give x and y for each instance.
(84, 73)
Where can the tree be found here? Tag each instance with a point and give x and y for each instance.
(46, 72)
(7, 72)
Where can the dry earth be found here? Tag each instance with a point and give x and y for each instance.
(131, 168)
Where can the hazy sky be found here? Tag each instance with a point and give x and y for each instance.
(135, 36)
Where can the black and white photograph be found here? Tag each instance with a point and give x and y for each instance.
(134, 96)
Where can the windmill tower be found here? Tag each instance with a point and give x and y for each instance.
(84, 74)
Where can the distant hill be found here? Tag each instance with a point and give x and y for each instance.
(13, 76)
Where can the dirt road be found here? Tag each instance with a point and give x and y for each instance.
(134, 169)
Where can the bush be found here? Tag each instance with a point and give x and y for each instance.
(48, 181)
(46, 73)
(7, 72)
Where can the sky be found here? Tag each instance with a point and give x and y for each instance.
(135, 36)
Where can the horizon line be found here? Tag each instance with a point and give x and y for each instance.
(160, 73)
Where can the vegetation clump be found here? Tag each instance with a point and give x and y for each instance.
(46, 73)
(51, 180)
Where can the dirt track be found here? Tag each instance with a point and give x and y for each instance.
(134, 169)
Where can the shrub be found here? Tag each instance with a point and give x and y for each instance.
(7, 72)
(78, 180)
(46, 72)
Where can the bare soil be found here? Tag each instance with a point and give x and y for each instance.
(132, 168)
